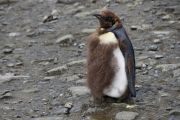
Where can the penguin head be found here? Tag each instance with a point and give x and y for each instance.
(108, 19)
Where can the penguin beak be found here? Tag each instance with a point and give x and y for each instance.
(98, 16)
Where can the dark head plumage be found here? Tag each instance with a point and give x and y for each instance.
(108, 19)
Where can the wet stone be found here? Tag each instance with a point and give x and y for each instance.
(126, 115)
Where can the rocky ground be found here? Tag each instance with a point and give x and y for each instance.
(43, 57)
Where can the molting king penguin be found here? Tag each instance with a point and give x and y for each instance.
(110, 59)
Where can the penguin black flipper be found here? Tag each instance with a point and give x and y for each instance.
(128, 54)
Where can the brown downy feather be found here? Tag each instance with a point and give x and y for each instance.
(100, 70)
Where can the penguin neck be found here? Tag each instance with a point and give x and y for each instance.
(102, 30)
(112, 28)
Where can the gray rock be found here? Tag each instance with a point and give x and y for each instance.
(19, 63)
(79, 90)
(48, 118)
(43, 60)
(167, 67)
(49, 18)
(9, 76)
(126, 115)
(9, 46)
(6, 95)
(73, 11)
(145, 26)
(163, 32)
(57, 71)
(55, 103)
(159, 56)
(68, 105)
(153, 47)
(67, 1)
(176, 72)
(157, 41)
(88, 31)
(7, 50)
(32, 90)
(178, 97)
(82, 14)
(10, 64)
(81, 45)
(166, 17)
(164, 94)
(65, 39)
(77, 63)
(48, 78)
(72, 78)
(14, 34)
(172, 46)
(55, 12)
(142, 57)
(62, 111)
(170, 9)
(122, 1)
(134, 27)
(81, 82)
(175, 112)
(91, 110)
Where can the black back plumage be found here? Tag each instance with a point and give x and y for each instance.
(120, 33)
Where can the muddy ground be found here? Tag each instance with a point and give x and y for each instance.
(42, 75)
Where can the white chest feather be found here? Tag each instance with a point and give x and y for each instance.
(108, 38)
(119, 84)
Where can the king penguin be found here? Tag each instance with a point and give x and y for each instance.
(110, 59)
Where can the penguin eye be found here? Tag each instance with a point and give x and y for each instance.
(109, 19)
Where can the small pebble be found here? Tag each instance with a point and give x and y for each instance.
(153, 47)
(172, 46)
(68, 105)
(157, 41)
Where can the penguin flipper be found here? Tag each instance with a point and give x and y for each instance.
(130, 70)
